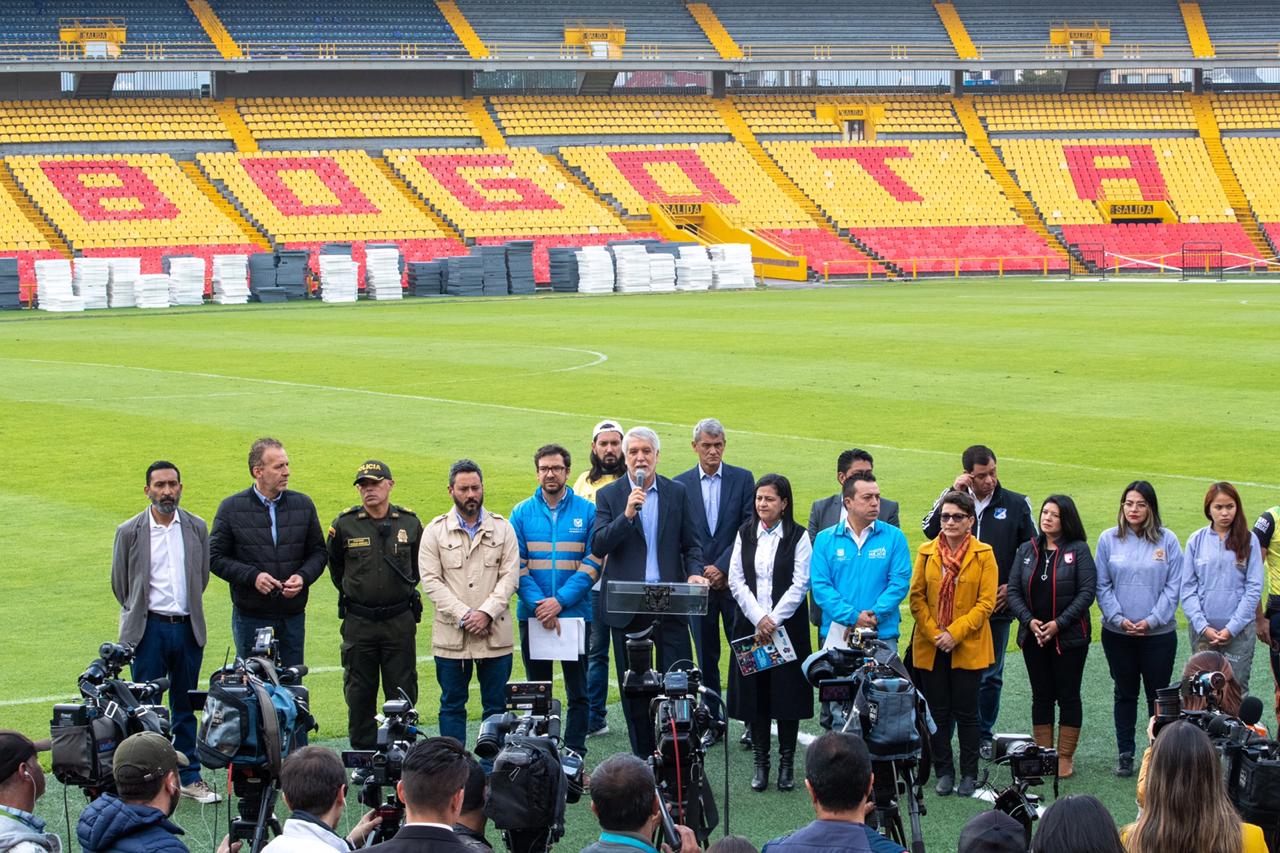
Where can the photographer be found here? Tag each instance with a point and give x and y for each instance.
(137, 819)
(1227, 700)
(432, 786)
(1051, 585)
(625, 801)
(953, 591)
(469, 827)
(837, 770)
(21, 784)
(1187, 807)
(314, 784)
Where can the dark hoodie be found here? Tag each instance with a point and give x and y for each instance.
(110, 825)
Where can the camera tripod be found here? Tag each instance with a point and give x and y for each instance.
(894, 780)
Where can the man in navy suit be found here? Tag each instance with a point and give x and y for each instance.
(720, 500)
(645, 528)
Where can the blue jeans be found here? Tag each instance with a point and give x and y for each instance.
(454, 677)
(992, 680)
(597, 665)
(169, 649)
(291, 631)
(575, 690)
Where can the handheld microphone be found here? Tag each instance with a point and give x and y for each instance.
(1250, 710)
(642, 475)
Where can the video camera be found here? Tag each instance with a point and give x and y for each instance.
(1250, 762)
(532, 776)
(876, 700)
(85, 734)
(373, 770)
(254, 713)
(1029, 764)
(683, 729)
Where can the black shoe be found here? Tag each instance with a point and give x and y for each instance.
(968, 785)
(946, 784)
(760, 779)
(986, 749)
(745, 740)
(786, 770)
(1124, 765)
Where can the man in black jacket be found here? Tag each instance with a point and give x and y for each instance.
(1004, 522)
(432, 786)
(267, 544)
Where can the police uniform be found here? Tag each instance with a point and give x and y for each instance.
(374, 564)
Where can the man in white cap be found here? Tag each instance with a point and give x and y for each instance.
(607, 465)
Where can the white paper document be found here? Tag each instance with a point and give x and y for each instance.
(566, 644)
(837, 637)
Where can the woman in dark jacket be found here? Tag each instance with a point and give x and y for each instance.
(1051, 585)
(769, 579)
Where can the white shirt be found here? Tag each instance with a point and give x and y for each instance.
(979, 506)
(759, 603)
(168, 592)
(302, 836)
(859, 539)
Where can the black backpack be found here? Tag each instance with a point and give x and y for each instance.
(527, 787)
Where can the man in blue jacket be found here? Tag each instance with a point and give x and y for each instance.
(553, 529)
(136, 820)
(721, 498)
(861, 568)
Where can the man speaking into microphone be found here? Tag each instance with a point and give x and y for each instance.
(644, 528)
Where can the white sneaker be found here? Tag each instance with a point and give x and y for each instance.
(603, 730)
(201, 793)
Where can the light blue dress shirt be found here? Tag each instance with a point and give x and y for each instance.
(649, 525)
(271, 508)
(711, 497)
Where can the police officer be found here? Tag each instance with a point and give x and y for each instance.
(373, 560)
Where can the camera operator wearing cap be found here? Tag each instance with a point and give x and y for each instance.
(373, 561)
(136, 819)
(21, 784)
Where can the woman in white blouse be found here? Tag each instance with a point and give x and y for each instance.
(769, 579)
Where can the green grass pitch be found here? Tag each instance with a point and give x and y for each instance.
(1079, 387)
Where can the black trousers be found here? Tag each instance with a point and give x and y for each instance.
(1134, 660)
(1055, 680)
(672, 644)
(708, 632)
(952, 695)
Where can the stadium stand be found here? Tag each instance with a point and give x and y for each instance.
(357, 118)
(20, 235)
(139, 205)
(797, 115)
(1028, 23)
(1084, 114)
(257, 24)
(833, 22)
(1254, 160)
(617, 115)
(131, 119)
(148, 21)
(507, 23)
(303, 199)
(1241, 21)
(1247, 111)
(916, 204)
(503, 194)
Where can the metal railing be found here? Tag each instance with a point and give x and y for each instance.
(911, 267)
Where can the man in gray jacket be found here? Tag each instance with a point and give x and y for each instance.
(21, 784)
(159, 570)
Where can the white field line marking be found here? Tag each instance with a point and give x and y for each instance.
(585, 416)
(311, 670)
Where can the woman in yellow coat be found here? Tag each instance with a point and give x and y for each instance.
(953, 591)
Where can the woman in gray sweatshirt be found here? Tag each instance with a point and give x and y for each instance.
(1222, 582)
(1139, 582)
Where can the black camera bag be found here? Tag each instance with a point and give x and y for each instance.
(527, 787)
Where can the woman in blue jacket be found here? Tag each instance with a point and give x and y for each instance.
(1139, 580)
(1222, 581)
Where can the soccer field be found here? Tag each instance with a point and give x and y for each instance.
(1079, 388)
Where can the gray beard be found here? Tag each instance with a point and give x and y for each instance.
(165, 507)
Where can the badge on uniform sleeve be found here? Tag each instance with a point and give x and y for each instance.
(402, 536)
(1069, 559)
(1001, 513)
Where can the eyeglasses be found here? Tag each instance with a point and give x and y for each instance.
(953, 516)
(552, 469)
